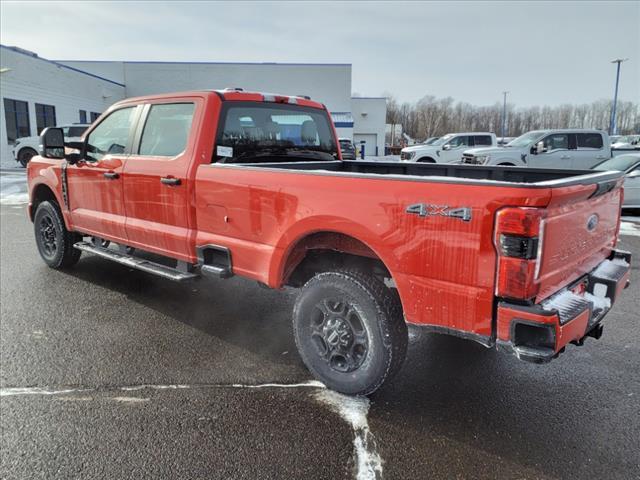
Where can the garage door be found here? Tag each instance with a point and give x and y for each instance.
(370, 142)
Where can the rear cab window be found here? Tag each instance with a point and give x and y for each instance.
(589, 141)
(482, 140)
(252, 132)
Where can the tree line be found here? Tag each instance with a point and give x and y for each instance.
(431, 116)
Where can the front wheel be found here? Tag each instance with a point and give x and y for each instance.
(54, 241)
(25, 155)
(350, 331)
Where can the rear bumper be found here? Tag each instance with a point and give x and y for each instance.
(538, 333)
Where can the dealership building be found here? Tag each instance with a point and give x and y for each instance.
(37, 92)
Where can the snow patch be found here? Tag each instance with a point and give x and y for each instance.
(134, 388)
(14, 199)
(599, 303)
(354, 411)
(310, 383)
(8, 392)
(630, 229)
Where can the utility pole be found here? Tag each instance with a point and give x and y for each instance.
(613, 128)
(504, 114)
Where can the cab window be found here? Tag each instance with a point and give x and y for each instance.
(459, 141)
(559, 141)
(589, 141)
(111, 135)
(482, 140)
(166, 129)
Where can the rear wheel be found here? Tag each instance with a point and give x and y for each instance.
(350, 331)
(54, 241)
(25, 155)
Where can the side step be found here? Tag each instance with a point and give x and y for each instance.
(137, 263)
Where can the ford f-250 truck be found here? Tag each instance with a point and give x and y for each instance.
(222, 183)
(563, 148)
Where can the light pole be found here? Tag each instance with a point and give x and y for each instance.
(612, 124)
(504, 114)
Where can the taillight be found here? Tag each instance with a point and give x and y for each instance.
(518, 240)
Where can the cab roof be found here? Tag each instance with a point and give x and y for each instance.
(233, 94)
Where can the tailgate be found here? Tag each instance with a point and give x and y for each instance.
(579, 232)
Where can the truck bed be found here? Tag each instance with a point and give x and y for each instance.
(452, 173)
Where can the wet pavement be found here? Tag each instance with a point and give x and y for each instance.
(107, 372)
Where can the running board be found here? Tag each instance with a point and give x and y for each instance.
(137, 263)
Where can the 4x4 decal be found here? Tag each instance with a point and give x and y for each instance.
(426, 210)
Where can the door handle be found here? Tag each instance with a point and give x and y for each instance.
(170, 181)
(111, 175)
(565, 157)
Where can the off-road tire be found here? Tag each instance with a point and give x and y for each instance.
(49, 217)
(380, 313)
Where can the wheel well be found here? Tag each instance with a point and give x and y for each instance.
(506, 164)
(322, 251)
(27, 148)
(426, 160)
(41, 193)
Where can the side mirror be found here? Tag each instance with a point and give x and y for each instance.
(539, 147)
(634, 173)
(446, 147)
(52, 143)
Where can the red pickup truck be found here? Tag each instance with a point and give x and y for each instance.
(221, 183)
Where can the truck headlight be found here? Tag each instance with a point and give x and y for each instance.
(482, 159)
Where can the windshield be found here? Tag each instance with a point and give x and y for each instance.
(524, 140)
(267, 132)
(621, 163)
(429, 141)
(443, 140)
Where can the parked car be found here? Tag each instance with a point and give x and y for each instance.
(564, 149)
(224, 183)
(627, 141)
(447, 149)
(347, 149)
(629, 164)
(26, 147)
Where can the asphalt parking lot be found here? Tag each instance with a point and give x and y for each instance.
(111, 373)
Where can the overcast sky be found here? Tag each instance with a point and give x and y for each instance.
(543, 53)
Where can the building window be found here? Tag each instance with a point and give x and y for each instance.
(94, 116)
(16, 114)
(45, 116)
(83, 116)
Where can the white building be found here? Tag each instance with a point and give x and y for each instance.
(369, 121)
(74, 85)
(37, 93)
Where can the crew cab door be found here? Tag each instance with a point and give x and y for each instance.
(157, 186)
(95, 183)
(590, 150)
(556, 152)
(456, 146)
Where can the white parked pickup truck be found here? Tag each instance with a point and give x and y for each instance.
(447, 149)
(27, 147)
(567, 149)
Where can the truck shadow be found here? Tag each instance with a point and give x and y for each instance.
(236, 311)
